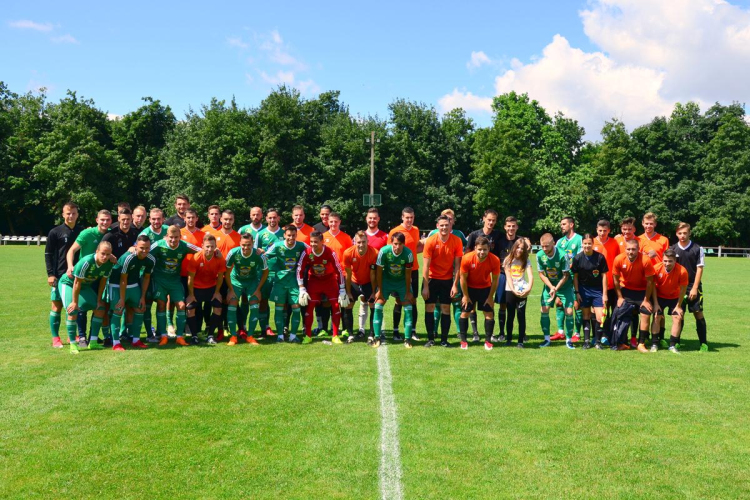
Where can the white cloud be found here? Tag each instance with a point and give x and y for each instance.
(31, 25)
(466, 101)
(113, 117)
(278, 52)
(477, 59)
(67, 38)
(237, 42)
(306, 87)
(653, 54)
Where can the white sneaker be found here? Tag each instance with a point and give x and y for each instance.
(674, 350)
(654, 348)
(171, 330)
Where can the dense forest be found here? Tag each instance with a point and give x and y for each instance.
(689, 166)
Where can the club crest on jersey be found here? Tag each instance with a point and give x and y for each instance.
(595, 272)
(325, 261)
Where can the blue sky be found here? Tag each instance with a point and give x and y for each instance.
(568, 54)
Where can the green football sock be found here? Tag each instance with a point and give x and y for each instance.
(408, 321)
(242, 311)
(180, 326)
(456, 315)
(377, 321)
(436, 314)
(147, 319)
(72, 328)
(569, 326)
(96, 325)
(544, 322)
(296, 319)
(135, 329)
(579, 321)
(170, 318)
(116, 321)
(54, 323)
(278, 319)
(161, 323)
(253, 322)
(263, 317)
(232, 320)
(106, 331)
(560, 317)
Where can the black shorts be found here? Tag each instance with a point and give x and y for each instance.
(696, 305)
(478, 298)
(612, 298)
(636, 298)
(204, 295)
(362, 291)
(440, 291)
(665, 304)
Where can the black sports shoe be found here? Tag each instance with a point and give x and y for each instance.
(520, 345)
(210, 340)
(194, 340)
(494, 339)
(598, 346)
(444, 344)
(397, 337)
(501, 338)
(586, 345)
(430, 343)
(476, 338)
(108, 342)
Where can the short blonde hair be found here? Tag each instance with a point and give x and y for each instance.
(173, 230)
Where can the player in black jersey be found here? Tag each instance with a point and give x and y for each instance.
(590, 281)
(489, 220)
(691, 256)
(181, 204)
(124, 235)
(120, 207)
(59, 241)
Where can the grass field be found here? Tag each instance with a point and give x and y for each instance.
(294, 421)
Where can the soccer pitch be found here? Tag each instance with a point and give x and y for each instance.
(293, 421)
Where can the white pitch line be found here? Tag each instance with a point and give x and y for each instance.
(390, 452)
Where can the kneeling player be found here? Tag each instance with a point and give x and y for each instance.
(671, 281)
(359, 265)
(554, 271)
(79, 296)
(249, 272)
(480, 272)
(634, 283)
(320, 279)
(393, 276)
(125, 290)
(282, 259)
(590, 279)
(205, 277)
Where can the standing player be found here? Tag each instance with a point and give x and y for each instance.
(282, 258)
(120, 207)
(267, 237)
(249, 272)
(359, 264)
(320, 279)
(634, 283)
(325, 212)
(123, 236)
(214, 220)
(610, 249)
(139, 218)
(376, 237)
(155, 232)
(691, 256)
(441, 264)
(518, 284)
(181, 204)
(189, 234)
(480, 272)
(670, 285)
(569, 245)
(59, 241)
(169, 254)
(205, 277)
(84, 291)
(125, 292)
(338, 241)
(298, 219)
(256, 223)
(590, 280)
(489, 220)
(650, 242)
(554, 271)
(393, 276)
(226, 239)
(413, 243)
(627, 233)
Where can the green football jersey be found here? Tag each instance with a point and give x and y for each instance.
(88, 271)
(249, 228)
(554, 267)
(570, 247)
(454, 232)
(282, 262)
(130, 264)
(394, 266)
(154, 236)
(89, 239)
(248, 268)
(169, 260)
(267, 238)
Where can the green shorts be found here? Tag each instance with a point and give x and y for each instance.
(132, 296)
(266, 289)
(399, 289)
(86, 299)
(169, 288)
(151, 291)
(54, 293)
(281, 294)
(246, 288)
(567, 297)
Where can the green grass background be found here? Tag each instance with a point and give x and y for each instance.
(291, 421)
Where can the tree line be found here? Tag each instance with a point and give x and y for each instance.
(689, 166)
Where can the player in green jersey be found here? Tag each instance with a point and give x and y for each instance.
(266, 238)
(256, 223)
(249, 272)
(126, 293)
(282, 264)
(393, 273)
(155, 232)
(83, 292)
(169, 254)
(569, 245)
(554, 271)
